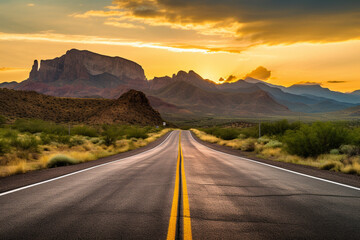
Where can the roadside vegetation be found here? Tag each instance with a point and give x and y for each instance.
(331, 146)
(27, 145)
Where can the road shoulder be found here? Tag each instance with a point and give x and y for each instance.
(348, 179)
(20, 180)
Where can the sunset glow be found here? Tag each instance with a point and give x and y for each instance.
(318, 42)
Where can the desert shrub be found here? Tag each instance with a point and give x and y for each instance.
(8, 133)
(64, 139)
(273, 144)
(46, 138)
(315, 139)
(149, 129)
(136, 132)
(2, 120)
(49, 138)
(85, 131)
(350, 150)
(26, 142)
(335, 151)
(223, 133)
(4, 147)
(332, 165)
(278, 127)
(95, 140)
(75, 141)
(355, 136)
(249, 132)
(60, 160)
(248, 145)
(263, 140)
(38, 126)
(110, 134)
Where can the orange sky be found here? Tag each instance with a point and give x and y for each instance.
(307, 42)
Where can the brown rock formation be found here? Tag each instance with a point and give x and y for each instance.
(74, 73)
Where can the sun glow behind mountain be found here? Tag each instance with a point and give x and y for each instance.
(298, 42)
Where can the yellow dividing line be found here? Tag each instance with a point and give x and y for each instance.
(174, 208)
(186, 208)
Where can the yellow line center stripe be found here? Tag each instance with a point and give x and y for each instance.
(186, 207)
(174, 208)
(175, 203)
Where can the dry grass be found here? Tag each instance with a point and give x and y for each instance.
(16, 162)
(272, 149)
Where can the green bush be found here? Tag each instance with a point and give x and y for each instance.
(4, 147)
(334, 151)
(60, 160)
(8, 133)
(223, 133)
(110, 134)
(350, 150)
(27, 142)
(278, 127)
(248, 145)
(249, 132)
(263, 140)
(75, 141)
(84, 131)
(273, 144)
(64, 139)
(95, 140)
(46, 138)
(315, 139)
(2, 120)
(135, 132)
(38, 126)
(355, 136)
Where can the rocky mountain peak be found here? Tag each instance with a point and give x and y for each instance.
(34, 70)
(133, 96)
(80, 73)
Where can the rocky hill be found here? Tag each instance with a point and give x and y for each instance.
(131, 108)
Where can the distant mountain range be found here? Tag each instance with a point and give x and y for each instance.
(85, 74)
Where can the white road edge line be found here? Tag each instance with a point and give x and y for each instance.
(283, 169)
(80, 171)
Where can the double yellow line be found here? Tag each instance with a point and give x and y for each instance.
(180, 190)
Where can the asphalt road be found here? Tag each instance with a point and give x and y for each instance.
(228, 198)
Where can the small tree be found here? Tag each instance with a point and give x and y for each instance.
(110, 135)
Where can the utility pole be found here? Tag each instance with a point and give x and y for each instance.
(69, 129)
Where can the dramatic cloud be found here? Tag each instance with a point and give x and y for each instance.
(260, 73)
(262, 21)
(336, 81)
(82, 39)
(124, 25)
(238, 25)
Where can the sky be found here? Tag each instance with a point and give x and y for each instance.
(282, 42)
